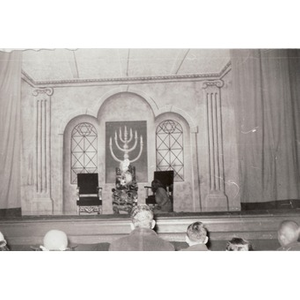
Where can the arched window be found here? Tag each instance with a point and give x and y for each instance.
(83, 150)
(169, 148)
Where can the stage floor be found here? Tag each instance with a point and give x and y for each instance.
(242, 213)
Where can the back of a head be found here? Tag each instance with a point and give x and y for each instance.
(1, 237)
(55, 240)
(3, 243)
(142, 216)
(288, 232)
(238, 244)
(197, 232)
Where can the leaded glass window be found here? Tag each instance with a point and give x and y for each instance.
(169, 148)
(83, 150)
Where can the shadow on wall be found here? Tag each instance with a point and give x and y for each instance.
(10, 212)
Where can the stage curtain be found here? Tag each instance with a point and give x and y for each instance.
(266, 90)
(10, 141)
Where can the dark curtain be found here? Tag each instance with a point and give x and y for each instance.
(266, 89)
(10, 140)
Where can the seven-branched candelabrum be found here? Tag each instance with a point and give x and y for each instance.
(125, 149)
(125, 193)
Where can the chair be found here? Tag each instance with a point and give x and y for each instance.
(167, 179)
(89, 194)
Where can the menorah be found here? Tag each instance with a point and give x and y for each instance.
(125, 149)
(125, 193)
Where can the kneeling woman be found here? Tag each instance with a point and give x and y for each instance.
(162, 199)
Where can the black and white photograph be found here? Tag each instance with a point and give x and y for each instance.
(206, 138)
(198, 135)
(111, 150)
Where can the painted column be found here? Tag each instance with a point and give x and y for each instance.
(195, 172)
(216, 200)
(42, 203)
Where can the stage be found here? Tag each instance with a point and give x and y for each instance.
(95, 232)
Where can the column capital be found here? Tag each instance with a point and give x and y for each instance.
(212, 83)
(47, 91)
(194, 129)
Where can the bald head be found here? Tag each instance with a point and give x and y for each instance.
(288, 232)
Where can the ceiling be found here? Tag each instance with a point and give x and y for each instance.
(67, 64)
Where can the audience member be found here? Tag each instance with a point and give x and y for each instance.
(196, 237)
(288, 235)
(142, 236)
(238, 244)
(3, 243)
(162, 198)
(55, 240)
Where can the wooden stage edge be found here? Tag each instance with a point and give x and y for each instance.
(222, 226)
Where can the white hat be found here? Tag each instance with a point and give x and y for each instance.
(55, 240)
(3, 242)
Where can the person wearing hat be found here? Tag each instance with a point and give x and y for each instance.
(55, 240)
(3, 243)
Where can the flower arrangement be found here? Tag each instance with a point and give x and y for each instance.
(125, 193)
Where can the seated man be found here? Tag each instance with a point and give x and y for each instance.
(238, 244)
(196, 237)
(142, 237)
(162, 199)
(288, 235)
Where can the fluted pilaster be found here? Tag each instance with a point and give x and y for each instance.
(195, 169)
(212, 93)
(42, 97)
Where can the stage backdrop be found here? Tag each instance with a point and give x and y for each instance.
(10, 129)
(137, 128)
(266, 89)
